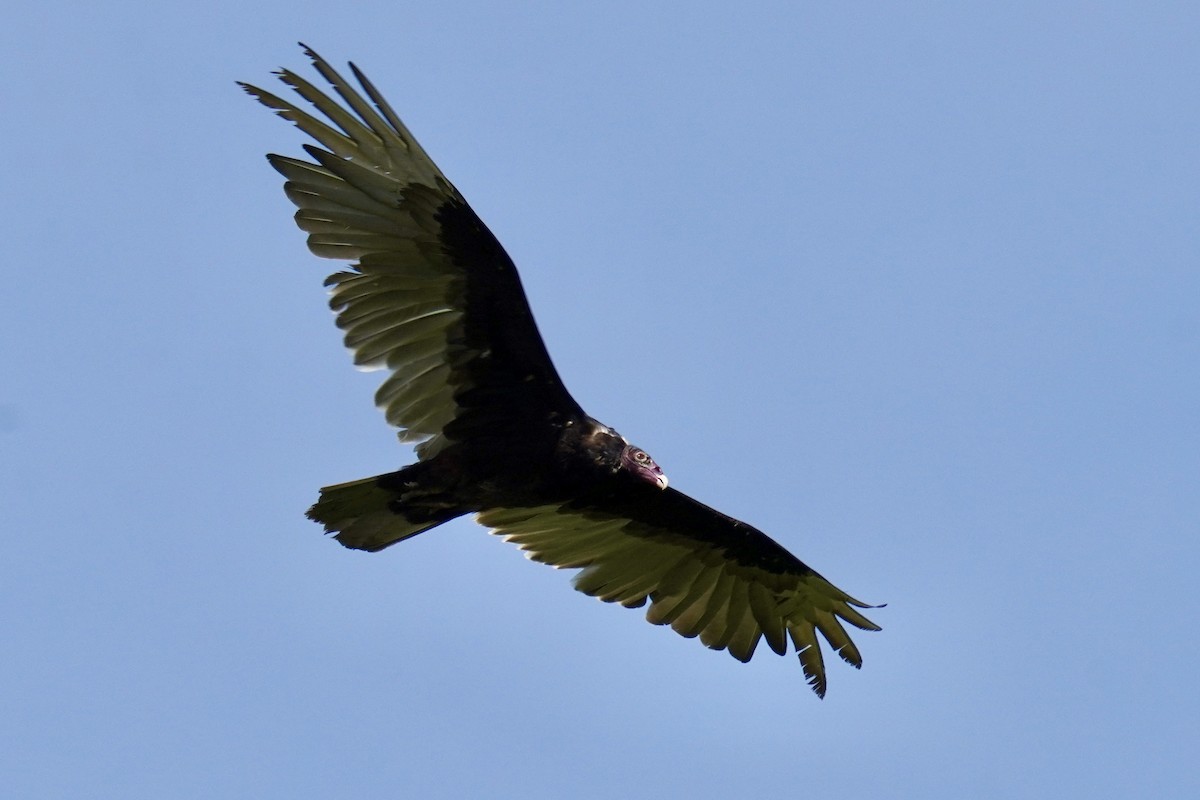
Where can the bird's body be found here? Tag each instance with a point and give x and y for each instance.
(471, 477)
(433, 298)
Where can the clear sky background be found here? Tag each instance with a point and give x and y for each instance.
(913, 287)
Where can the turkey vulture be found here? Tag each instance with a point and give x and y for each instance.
(433, 299)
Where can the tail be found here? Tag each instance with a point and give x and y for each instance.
(373, 513)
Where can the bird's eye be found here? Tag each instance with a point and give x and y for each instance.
(640, 457)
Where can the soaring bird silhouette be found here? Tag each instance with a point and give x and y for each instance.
(433, 299)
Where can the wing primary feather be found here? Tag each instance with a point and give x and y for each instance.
(346, 92)
(837, 637)
(856, 619)
(811, 661)
(766, 611)
(364, 139)
(332, 138)
(391, 116)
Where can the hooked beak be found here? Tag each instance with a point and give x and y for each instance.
(660, 479)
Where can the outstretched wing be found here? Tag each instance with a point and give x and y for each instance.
(705, 574)
(432, 297)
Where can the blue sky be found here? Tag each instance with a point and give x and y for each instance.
(911, 287)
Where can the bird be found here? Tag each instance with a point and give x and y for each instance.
(431, 298)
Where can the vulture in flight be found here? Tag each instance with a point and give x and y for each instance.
(432, 299)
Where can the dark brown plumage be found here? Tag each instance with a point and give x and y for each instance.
(433, 298)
